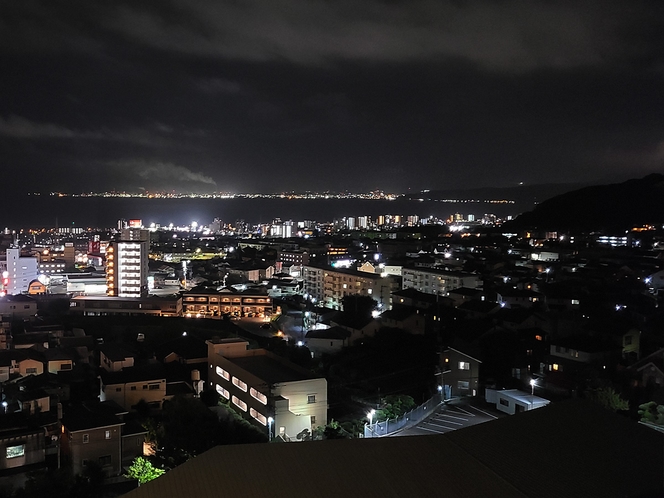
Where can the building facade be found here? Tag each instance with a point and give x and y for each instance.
(330, 286)
(437, 281)
(269, 391)
(127, 264)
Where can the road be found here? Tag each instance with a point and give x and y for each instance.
(456, 414)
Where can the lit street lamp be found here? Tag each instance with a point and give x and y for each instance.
(269, 428)
(532, 393)
(370, 415)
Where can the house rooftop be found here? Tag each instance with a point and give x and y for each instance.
(88, 416)
(587, 451)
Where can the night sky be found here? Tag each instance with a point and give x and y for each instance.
(269, 95)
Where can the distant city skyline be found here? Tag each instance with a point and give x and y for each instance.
(289, 96)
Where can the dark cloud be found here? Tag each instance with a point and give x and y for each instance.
(259, 95)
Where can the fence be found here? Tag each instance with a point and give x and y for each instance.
(386, 427)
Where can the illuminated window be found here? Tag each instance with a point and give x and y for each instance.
(223, 392)
(538, 337)
(223, 373)
(258, 416)
(239, 384)
(15, 451)
(575, 301)
(464, 365)
(239, 403)
(258, 395)
(556, 367)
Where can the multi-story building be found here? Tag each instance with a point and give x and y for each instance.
(290, 258)
(127, 264)
(19, 271)
(269, 391)
(438, 281)
(203, 301)
(132, 306)
(330, 285)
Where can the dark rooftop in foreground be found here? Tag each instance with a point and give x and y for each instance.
(570, 449)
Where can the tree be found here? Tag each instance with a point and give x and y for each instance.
(652, 413)
(143, 471)
(608, 398)
(394, 406)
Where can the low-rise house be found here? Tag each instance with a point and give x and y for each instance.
(460, 370)
(463, 294)
(358, 328)
(420, 300)
(57, 360)
(650, 370)
(113, 358)
(26, 362)
(476, 310)
(92, 433)
(520, 298)
(406, 319)
(326, 341)
(18, 306)
(23, 442)
(133, 384)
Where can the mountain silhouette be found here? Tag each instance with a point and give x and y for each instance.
(618, 206)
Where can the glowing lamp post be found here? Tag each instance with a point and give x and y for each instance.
(370, 415)
(269, 428)
(532, 392)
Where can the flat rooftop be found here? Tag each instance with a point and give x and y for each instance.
(271, 370)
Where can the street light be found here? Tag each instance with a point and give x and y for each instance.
(532, 392)
(5, 404)
(370, 415)
(269, 428)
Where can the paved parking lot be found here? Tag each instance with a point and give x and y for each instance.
(454, 415)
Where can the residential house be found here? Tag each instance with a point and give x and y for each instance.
(406, 319)
(92, 433)
(326, 341)
(460, 370)
(114, 358)
(18, 306)
(23, 443)
(134, 384)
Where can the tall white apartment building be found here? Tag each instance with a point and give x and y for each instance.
(127, 264)
(20, 271)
